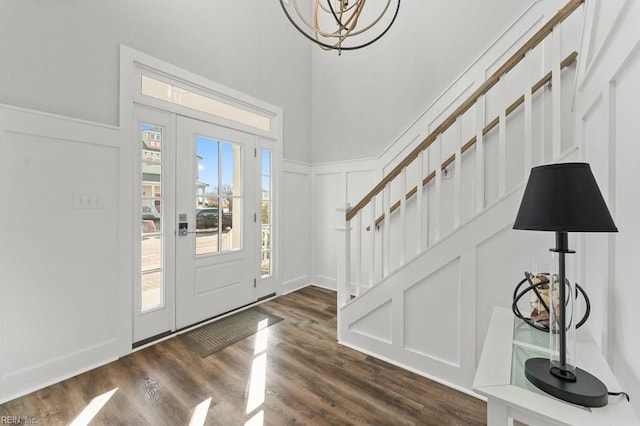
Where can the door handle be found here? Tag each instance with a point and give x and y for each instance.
(183, 229)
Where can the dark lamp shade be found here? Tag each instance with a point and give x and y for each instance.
(564, 198)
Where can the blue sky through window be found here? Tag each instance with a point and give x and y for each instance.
(207, 149)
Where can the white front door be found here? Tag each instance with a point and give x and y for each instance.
(215, 220)
(205, 217)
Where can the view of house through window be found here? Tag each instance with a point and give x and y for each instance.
(217, 206)
(152, 283)
(266, 216)
(218, 199)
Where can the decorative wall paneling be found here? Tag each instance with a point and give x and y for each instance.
(538, 62)
(60, 281)
(438, 288)
(332, 183)
(430, 315)
(296, 234)
(607, 128)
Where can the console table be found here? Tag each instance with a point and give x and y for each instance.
(500, 377)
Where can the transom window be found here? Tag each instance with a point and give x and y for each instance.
(177, 95)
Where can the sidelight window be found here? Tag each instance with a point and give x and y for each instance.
(266, 213)
(152, 242)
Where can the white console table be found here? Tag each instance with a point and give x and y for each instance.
(500, 377)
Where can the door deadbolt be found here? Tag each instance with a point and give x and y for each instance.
(183, 229)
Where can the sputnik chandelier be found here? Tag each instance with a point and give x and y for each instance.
(341, 24)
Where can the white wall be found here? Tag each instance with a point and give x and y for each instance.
(60, 292)
(487, 262)
(608, 127)
(295, 233)
(364, 98)
(62, 56)
(65, 285)
(340, 182)
(331, 185)
(64, 281)
(432, 315)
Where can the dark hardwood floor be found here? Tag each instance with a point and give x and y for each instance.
(303, 377)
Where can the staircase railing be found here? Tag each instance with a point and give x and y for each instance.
(375, 207)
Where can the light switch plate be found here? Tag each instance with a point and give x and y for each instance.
(87, 200)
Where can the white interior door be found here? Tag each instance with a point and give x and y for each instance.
(215, 213)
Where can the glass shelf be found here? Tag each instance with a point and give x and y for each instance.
(529, 343)
(528, 337)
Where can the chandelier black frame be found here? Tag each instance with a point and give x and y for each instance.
(345, 26)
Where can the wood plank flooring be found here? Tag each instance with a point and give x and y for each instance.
(302, 378)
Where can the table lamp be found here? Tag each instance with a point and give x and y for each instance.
(564, 198)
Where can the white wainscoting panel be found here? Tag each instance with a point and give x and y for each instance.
(296, 234)
(432, 314)
(608, 127)
(594, 128)
(441, 299)
(59, 275)
(376, 324)
(625, 293)
(334, 184)
(329, 189)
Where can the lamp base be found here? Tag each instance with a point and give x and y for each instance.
(587, 390)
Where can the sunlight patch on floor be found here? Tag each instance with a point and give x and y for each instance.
(256, 420)
(262, 337)
(257, 383)
(92, 409)
(199, 415)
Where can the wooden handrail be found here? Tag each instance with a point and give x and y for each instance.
(538, 37)
(493, 123)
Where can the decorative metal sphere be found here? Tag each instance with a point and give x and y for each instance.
(341, 24)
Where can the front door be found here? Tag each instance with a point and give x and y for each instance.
(204, 221)
(215, 214)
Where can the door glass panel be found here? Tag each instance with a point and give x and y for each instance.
(151, 250)
(266, 162)
(265, 264)
(218, 208)
(266, 188)
(207, 154)
(152, 294)
(231, 227)
(151, 254)
(231, 168)
(265, 213)
(207, 225)
(206, 242)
